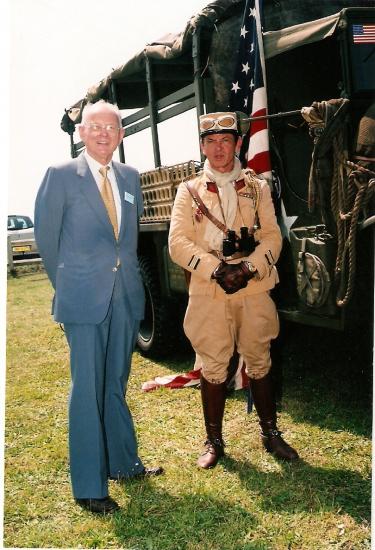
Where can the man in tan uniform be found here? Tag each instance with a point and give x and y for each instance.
(231, 276)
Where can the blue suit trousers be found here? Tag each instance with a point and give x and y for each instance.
(102, 440)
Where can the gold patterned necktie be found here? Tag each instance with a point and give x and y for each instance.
(107, 196)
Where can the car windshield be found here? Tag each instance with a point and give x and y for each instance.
(19, 222)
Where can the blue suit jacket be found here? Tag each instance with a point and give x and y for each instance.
(76, 241)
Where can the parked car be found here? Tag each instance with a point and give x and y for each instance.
(21, 233)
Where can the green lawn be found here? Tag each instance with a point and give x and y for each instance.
(249, 501)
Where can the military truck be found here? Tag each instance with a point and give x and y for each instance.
(320, 86)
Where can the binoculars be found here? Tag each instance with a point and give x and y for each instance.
(245, 243)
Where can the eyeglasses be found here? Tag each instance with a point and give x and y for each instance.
(227, 122)
(93, 127)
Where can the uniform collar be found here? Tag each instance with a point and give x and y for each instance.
(212, 187)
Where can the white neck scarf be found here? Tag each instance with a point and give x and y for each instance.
(228, 197)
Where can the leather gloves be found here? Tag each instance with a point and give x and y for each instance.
(232, 277)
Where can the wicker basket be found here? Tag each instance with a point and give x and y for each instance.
(159, 189)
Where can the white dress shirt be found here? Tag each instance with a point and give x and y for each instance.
(95, 166)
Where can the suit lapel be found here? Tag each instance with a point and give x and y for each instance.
(90, 190)
(122, 187)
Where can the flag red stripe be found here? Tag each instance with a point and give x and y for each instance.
(257, 126)
(244, 378)
(260, 112)
(260, 163)
(180, 380)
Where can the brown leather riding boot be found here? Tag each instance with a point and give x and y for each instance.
(265, 404)
(213, 401)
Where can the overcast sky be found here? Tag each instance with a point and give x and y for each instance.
(58, 49)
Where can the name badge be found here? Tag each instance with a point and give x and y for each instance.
(129, 197)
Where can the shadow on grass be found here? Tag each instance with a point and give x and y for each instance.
(323, 377)
(182, 360)
(177, 522)
(200, 520)
(316, 405)
(339, 363)
(326, 377)
(299, 487)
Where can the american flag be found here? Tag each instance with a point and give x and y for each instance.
(239, 380)
(248, 93)
(364, 34)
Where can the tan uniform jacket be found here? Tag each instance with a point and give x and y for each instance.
(189, 249)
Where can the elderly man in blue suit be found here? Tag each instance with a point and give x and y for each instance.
(86, 227)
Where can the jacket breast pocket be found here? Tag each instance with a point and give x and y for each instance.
(129, 210)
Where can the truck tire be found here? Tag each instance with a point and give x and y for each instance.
(153, 338)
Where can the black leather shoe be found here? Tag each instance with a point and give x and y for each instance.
(146, 472)
(150, 472)
(98, 505)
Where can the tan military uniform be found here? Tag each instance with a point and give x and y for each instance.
(215, 321)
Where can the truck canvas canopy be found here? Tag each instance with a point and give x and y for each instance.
(217, 24)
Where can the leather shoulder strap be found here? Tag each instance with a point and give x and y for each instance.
(203, 208)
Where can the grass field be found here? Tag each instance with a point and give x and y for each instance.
(249, 501)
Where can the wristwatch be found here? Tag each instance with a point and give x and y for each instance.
(251, 267)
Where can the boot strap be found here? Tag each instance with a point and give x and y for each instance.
(214, 442)
(272, 433)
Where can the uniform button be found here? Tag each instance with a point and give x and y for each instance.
(114, 268)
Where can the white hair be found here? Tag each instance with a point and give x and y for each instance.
(110, 106)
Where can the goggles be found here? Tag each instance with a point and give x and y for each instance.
(218, 122)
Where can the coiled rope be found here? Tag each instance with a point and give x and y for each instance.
(350, 195)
